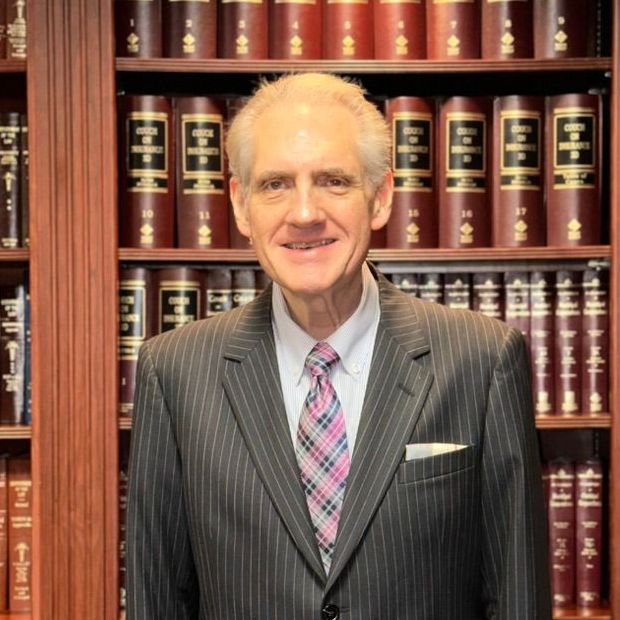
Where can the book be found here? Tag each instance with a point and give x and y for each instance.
(507, 29)
(180, 297)
(3, 31)
(12, 350)
(399, 29)
(518, 188)
(589, 532)
(348, 30)
(517, 301)
(406, 282)
(123, 487)
(16, 26)
(146, 208)
(568, 342)
(464, 193)
(595, 341)
(201, 202)
(243, 29)
(243, 286)
(4, 534)
(262, 281)
(136, 324)
(27, 413)
(562, 28)
(573, 170)
(413, 222)
(542, 344)
(430, 287)
(219, 290)
(10, 179)
(190, 28)
(24, 175)
(295, 29)
(562, 531)
(138, 28)
(20, 534)
(487, 294)
(457, 290)
(452, 29)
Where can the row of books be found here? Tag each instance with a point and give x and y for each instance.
(15, 534)
(563, 314)
(13, 180)
(13, 14)
(359, 29)
(509, 171)
(575, 496)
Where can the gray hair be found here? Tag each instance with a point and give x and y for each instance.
(314, 88)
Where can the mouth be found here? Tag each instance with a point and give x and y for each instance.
(309, 245)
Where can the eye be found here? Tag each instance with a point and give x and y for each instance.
(273, 185)
(335, 182)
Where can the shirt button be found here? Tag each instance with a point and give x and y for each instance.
(356, 368)
(330, 612)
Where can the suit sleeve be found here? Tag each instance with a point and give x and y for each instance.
(514, 554)
(161, 581)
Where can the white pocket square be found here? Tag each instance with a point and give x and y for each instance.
(422, 450)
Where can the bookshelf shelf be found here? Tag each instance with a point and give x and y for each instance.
(580, 614)
(19, 255)
(15, 432)
(528, 65)
(12, 66)
(602, 252)
(573, 422)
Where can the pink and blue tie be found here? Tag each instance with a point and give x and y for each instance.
(322, 450)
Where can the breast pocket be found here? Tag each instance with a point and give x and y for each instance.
(438, 465)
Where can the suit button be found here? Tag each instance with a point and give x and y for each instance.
(330, 612)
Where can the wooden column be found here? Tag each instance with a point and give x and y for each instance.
(73, 274)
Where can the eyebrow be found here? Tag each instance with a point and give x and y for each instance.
(283, 174)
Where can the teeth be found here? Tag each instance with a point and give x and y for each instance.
(308, 246)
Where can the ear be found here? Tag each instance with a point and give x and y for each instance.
(382, 202)
(239, 208)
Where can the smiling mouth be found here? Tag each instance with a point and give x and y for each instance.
(308, 245)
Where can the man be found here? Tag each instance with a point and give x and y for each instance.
(334, 449)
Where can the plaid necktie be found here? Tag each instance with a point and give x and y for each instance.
(322, 451)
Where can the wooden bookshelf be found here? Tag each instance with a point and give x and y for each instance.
(581, 614)
(12, 66)
(20, 431)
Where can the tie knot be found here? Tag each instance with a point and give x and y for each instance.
(321, 358)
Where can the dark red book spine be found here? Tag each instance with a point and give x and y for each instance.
(146, 178)
(487, 294)
(348, 30)
(136, 323)
(464, 194)
(4, 535)
(243, 31)
(507, 29)
(219, 291)
(12, 351)
(457, 291)
(561, 28)
(243, 286)
(190, 28)
(518, 200)
(589, 532)
(138, 28)
(568, 341)
(180, 293)
(295, 29)
(20, 534)
(3, 35)
(452, 29)
(430, 287)
(413, 222)
(400, 29)
(123, 486)
(16, 26)
(24, 174)
(201, 203)
(10, 179)
(595, 346)
(573, 170)
(542, 342)
(562, 531)
(406, 282)
(517, 301)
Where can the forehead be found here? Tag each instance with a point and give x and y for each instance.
(303, 134)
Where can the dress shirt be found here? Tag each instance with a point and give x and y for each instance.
(353, 341)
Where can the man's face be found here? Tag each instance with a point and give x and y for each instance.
(309, 210)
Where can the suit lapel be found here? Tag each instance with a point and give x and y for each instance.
(397, 388)
(252, 384)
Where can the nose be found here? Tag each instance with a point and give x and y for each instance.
(305, 209)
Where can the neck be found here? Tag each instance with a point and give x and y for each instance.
(321, 315)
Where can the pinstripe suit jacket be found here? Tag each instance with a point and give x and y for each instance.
(217, 521)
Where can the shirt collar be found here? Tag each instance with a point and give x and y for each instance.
(350, 340)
